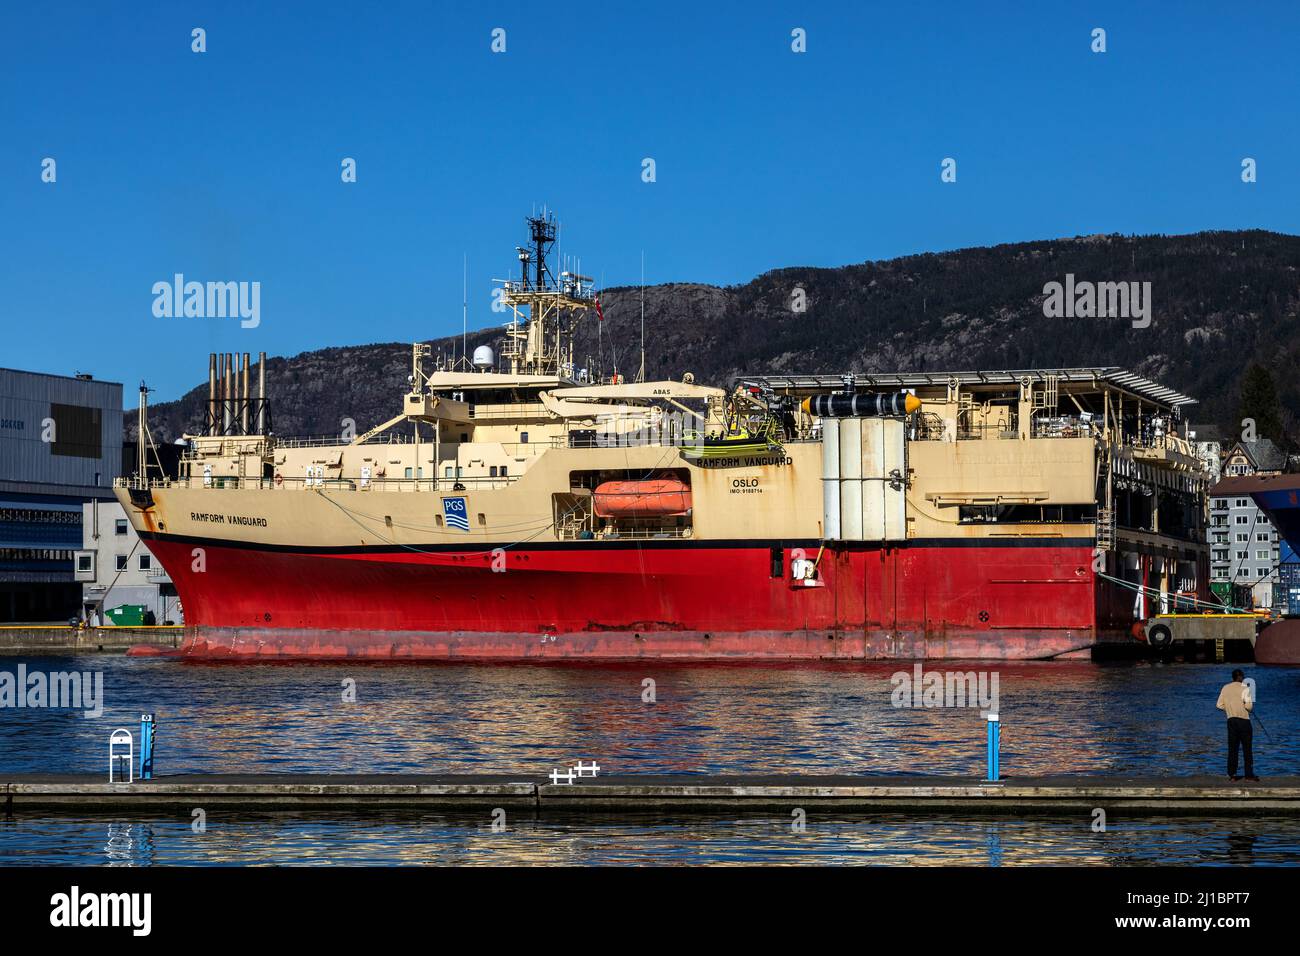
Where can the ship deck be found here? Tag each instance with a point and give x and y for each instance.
(679, 793)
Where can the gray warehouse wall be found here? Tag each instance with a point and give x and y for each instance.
(87, 415)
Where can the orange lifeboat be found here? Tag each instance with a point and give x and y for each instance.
(653, 498)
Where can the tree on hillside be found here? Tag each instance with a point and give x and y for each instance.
(1259, 401)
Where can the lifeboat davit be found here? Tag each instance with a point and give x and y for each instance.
(652, 498)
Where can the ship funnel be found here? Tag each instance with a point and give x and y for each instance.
(212, 393)
(245, 396)
(228, 395)
(261, 393)
(219, 419)
(879, 405)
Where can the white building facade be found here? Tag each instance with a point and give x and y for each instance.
(116, 568)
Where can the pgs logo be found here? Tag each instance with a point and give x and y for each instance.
(454, 513)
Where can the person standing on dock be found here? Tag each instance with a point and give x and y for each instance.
(1235, 701)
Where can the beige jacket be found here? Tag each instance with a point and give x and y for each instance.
(1234, 700)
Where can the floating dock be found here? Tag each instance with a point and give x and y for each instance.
(690, 793)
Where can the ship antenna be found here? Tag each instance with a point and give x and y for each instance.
(640, 377)
(464, 306)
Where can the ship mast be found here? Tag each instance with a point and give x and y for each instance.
(539, 338)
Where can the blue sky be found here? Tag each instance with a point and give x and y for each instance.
(225, 165)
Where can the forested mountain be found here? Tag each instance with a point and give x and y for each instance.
(1221, 302)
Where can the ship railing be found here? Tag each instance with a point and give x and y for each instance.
(996, 431)
(384, 438)
(139, 484)
(1062, 426)
(301, 483)
(589, 439)
(571, 533)
(933, 428)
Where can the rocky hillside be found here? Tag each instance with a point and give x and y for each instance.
(1221, 302)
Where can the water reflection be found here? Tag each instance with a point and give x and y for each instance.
(886, 839)
(129, 844)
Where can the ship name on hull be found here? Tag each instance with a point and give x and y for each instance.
(740, 462)
(248, 521)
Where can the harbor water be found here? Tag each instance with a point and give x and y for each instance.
(648, 717)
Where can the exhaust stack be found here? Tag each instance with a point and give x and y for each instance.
(245, 396)
(261, 393)
(228, 394)
(212, 393)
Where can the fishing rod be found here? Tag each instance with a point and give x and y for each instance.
(1261, 726)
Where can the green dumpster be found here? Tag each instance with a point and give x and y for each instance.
(125, 615)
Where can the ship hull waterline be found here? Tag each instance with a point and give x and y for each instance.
(700, 600)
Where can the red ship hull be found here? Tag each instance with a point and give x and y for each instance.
(628, 600)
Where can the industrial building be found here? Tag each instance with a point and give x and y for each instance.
(60, 446)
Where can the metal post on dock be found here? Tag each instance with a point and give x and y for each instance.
(147, 729)
(117, 740)
(994, 740)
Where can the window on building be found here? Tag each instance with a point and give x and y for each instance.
(145, 563)
(85, 562)
(119, 526)
(1242, 537)
(1242, 502)
(492, 471)
(1241, 519)
(523, 438)
(1262, 555)
(121, 562)
(1243, 572)
(1243, 555)
(1263, 572)
(503, 471)
(1262, 537)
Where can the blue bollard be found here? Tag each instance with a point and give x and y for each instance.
(994, 739)
(147, 727)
